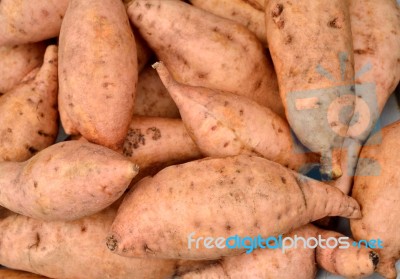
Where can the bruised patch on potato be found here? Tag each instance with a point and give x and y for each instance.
(112, 243)
(155, 131)
(134, 140)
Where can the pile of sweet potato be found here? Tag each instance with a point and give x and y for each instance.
(196, 118)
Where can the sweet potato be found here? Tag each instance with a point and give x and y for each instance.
(376, 27)
(98, 71)
(316, 82)
(296, 263)
(66, 181)
(353, 262)
(16, 274)
(25, 21)
(155, 141)
(219, 197)
(29, 117)
(224, 124)
(240, 11)
(69, 250)
(152, 98)
(17, 61)
(377, 189)
(200, 48)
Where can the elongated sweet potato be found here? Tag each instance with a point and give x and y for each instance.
(224, 124)
(219, 197)
(316, 82)
(377, 189)
(29, 117)
(200, 48)
(240, 11)
(376, 38)
(15, 274)
(98, 71)
(66, 181)
(155, 141)
(17, 61)
(25, 21)
(70, 250)
(152, 98)
(296, 262)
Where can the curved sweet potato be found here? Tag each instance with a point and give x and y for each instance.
(219, 197)
(29, 117)
(66, 181)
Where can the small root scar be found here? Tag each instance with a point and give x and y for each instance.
(37, 242)
(112, 243)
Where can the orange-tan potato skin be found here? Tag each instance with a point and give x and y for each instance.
(29, 117)
(377, 189)
(375, 26)
(26, 21)
(240, 11)
(17, 61)
(219, 197)
(296, 263)
(200, 48)
(311, 47)
(98, 71)
(16, 274)
(152, 98)
(155, 141)
(224, 124)
(70, 250)
(65, 181)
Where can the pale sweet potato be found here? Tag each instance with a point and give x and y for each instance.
(65, 181)
(98, 71)
(70, 250)
(219, 197)
(200, 48)
(152, 98)
(29, 117)
(311, 46)
(375, 26)
(224, 124)
(17, 61)
(377, 189)
(25, 21)
(241, 11)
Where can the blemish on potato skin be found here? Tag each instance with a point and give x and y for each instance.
(283, 180)
(83, 229)
(335, 23)
(112, 243)
(134, 139)
(35, 184)
(156, 133)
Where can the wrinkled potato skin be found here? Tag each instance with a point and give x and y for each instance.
(17, 61)
(15, 274)
(66, 181)
(29, 117)
(209, 51)
(98, 71)
(296, 263)
(377, 189)
(26, 21)
(74, 249)
(302, 36)
(240, 11)
(154, 141)
(250, 194)
(152, 98)
(375, 26)
(223, 124)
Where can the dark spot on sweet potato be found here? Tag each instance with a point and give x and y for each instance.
(83, 229)
(148, 5)
(374, 258)
(279, 216)
(37, 242)
(32, 150)
(213, 128)
(155, 131)
(134, 139)
(197, 224)
(228, 227)
(9, 130)
(43, 134)
(334, 23)
(35, 184)
(288, 39)
(280, 130)
(30, 101)
(283, 180)
(139, 17)
(45, 13)
(202, 75)
(71, 105)
(364, 51)
(277, 10)
(112, 243)
(237, 171)
(226, 144)
(234, 13)
(241, 112)
(257, 85)
(226, 103)
(170, 190)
